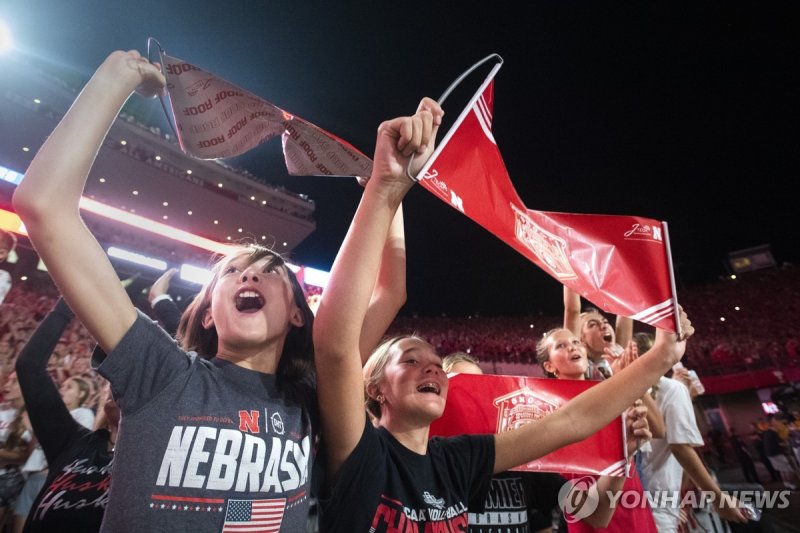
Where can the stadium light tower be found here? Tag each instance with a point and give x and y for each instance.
(6, 42)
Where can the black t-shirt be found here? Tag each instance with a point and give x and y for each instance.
(75, 492)
(383, 486)
(517, 502)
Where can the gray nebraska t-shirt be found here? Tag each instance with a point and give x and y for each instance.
(205, 444)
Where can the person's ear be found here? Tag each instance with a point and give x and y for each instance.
(297, 319)
(548, 367)
(208, 320)
(373, 391)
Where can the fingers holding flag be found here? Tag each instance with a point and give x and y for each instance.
(404, 138)
(418, 134)
(153, 82)
(430, 113)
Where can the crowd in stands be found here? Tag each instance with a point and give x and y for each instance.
(762, 333)
(746, 323)
(757, 332)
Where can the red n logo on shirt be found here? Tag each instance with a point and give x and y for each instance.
(248, 421)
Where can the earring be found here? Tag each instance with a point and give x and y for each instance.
(381, 399)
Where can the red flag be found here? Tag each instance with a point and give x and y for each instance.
(621, 264)
(215, 119)
(481, 404)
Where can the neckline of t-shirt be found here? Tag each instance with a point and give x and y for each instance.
(408, 454)
(243, 376)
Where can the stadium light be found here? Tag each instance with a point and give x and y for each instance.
(6, 41)
(195, 274)
(318, 278)
(10, 221)
(152, 226)
(137, 258)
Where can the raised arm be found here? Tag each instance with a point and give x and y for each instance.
(341, 314)
(654, 416)
(48, 198)
(51, 421)
(588, 412)
(623, 330)
(389, 294)
(572, 311)
(164, 307)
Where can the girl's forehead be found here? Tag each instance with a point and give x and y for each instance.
(593, 317)
(413, 346)
(562, 334)
(244, 260)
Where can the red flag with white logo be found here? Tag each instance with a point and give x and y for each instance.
(216, 119)
(622, 264)
(481, 404)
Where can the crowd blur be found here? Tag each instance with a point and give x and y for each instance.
(739, 327)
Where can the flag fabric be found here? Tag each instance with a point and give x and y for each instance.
(481, 404)
(264, 516)
(621, 264)
(216, 119)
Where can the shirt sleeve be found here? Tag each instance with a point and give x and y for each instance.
(144, 362)
(679, 418)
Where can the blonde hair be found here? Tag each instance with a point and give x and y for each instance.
(584, 317)
(374, 370)
(644, 341)
(84, 389)
(543, 349)
(458, 357)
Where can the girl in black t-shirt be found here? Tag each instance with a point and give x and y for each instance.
(392, 476)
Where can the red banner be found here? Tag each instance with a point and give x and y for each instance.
(215, 119)
(480, 404)
(619, 263)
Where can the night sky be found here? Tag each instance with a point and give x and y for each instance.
(684, 113)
